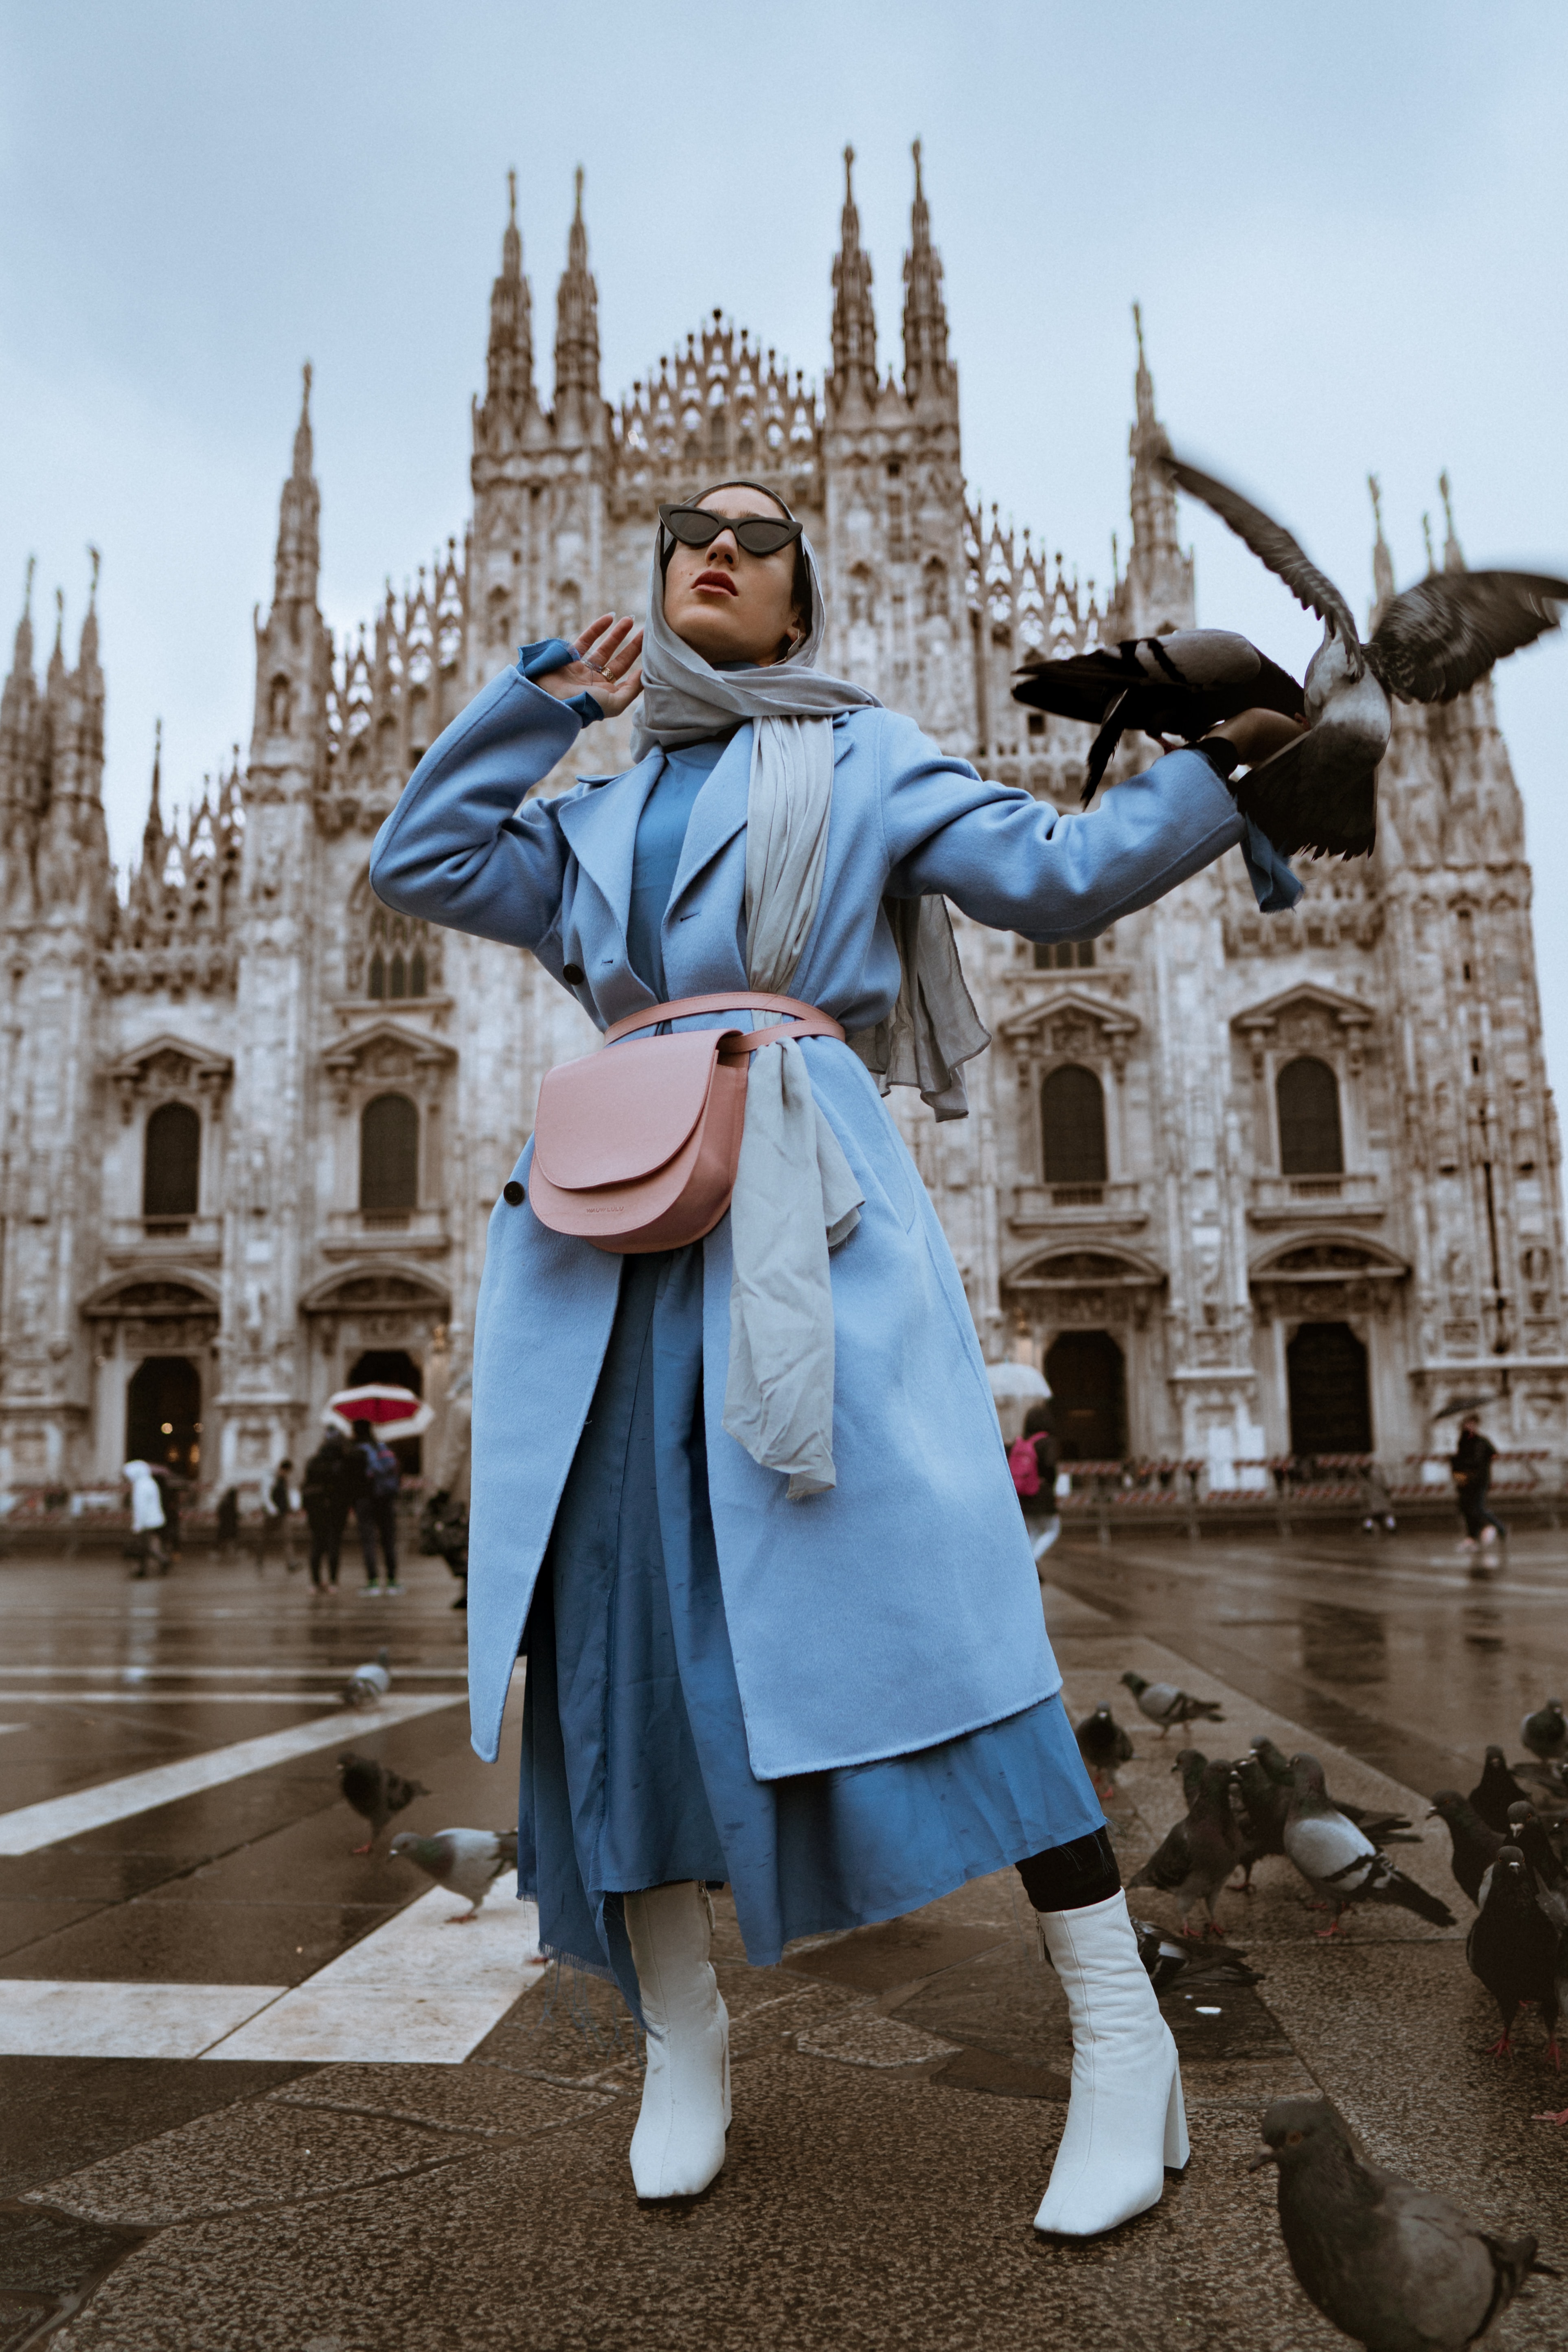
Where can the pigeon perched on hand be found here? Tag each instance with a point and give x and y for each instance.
(375, 1793)
(1512, 1947)
(1476, 1843)
(1435, 641)
(1383, 1828)
(1166, 1957)
(1339, 1861)
(368, 1686)
(1496, 1791)
(1197, 1855)
(1164, 1704)
(1545, 1732)
(1393, 2267)
(1103, 1744)
(1180, 685)
(467, 1861)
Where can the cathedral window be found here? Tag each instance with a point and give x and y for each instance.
(394, 957)
(1072, 1122)
(281, 707)
(1065, 955)
(388, 1156)
(1310, 1141)
(171, 1160)
(1037, 722)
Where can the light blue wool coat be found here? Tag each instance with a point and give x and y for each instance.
(902, 1607)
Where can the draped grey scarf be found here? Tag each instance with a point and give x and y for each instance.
(796, 1197)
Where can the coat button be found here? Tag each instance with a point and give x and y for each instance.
(573, 974)
(512, 1193)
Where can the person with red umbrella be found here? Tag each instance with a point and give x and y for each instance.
(369, 1416)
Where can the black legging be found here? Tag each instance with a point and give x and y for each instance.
(1070, 1877)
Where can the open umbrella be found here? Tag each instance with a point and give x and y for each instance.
(1463, 1404)
(391, 1412)
(1017, 1380)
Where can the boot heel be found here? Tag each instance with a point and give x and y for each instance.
(1178, 2148)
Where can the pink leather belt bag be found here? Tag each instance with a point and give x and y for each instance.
(637, 1149)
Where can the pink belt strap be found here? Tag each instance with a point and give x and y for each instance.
(799, 1020)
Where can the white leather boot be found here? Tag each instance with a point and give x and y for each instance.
(1125, 2120)
(678, 2144)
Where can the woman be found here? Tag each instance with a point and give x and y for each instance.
(786, 1633)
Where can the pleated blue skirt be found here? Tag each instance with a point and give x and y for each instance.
(635, 1768)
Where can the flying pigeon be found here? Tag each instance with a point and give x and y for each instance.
(1198, 1855)
(1166, 1957)
(1434, 642)
(1545, 1732)
(1383, 1828)
(467, 1861)
(1182, 684)
(1476, 1843)
(1496, 1791)
(1339, 1861)
(368, 1686)
(1164, 1704)
(1512, 1947)
(375, 1793)
(1395, 2267)
(1103, 1744)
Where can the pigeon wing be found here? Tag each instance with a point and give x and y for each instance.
(1317, 794)
(1437, 638)
(1083, 686)
(1272, 544)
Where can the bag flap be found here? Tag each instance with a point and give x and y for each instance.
(622, 1113)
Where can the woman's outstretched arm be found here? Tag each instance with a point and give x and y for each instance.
(1012, 862)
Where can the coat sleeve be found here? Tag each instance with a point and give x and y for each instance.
(1010, 861)
(459, 848)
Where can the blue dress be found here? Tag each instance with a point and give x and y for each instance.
(635, 1768)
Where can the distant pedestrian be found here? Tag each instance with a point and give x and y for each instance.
(1376, 1503)
(375, 1506)
(171, 1494)
(326, 1496)
(1472, 1464)
(227, 1522)
(1033, 1460)
(146, 1520)
(281, 1503)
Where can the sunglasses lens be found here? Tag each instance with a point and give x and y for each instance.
(690, 525)
(760, 536)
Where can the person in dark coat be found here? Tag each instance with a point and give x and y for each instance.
(375, 1505)
(1471, 1463)
(227, 1522)
(1040, 1512)
(326, 1498)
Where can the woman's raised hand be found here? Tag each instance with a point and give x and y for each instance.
(608, 665)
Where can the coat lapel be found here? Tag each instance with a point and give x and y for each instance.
(601, 828)
(718, 812)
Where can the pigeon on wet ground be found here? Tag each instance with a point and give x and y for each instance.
(1103, 1744)
(1545, 1787)
(1164, 1704)
(1512, 1947)
(1260, 1805)
(1434, 641)
(368, 1684)
(1476, 1843)
(1395, 2267)
(1496, 1791)
(1545, 1732)
(1339, 1861)
(1383, 1828)
(1197, 1855)
(1167, 1957)
(467, 1861)
(375, 1791)
(1180, 684)
(1527, 1830)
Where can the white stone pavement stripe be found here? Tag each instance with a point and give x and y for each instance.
(311, 1698)
(28, 1827)
(413, 1992)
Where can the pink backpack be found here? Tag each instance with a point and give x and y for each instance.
(1025, 1463)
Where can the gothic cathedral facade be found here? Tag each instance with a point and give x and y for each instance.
(1240, 1185)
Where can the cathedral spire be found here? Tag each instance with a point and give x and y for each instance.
(577, 319)
(925, 311)
(1453, 553)
(1382, 562)
(22, 650)
(1158, 593)
(152, 830)
(87, 656)
(508, 367)
(298, 558)
(853, 317)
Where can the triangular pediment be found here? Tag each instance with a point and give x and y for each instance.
(1070, 1005)
(400, 1049)
(1307, 997)
(183, 1063)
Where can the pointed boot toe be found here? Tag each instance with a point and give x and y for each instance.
(677, 2146)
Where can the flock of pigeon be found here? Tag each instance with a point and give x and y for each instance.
(465, 1862)
(1395, 2267)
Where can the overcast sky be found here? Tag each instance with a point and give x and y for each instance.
(1345, 224)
